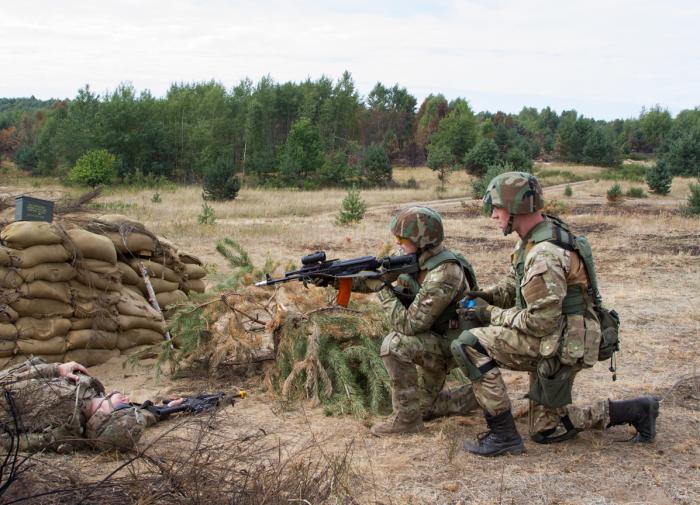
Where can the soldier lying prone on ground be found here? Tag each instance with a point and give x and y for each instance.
(60, 407)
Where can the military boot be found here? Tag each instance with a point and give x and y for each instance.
(397, 424)
(640, 412)
(502, 437)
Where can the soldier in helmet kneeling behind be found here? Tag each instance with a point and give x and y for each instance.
(416, 353)
(543, 318)
(60, 407)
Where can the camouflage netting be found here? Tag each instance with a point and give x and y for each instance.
(73, 289)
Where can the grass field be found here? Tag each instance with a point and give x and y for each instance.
(648, 259)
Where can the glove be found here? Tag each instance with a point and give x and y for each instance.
(375, 285)
(484, 295)
(481, 312)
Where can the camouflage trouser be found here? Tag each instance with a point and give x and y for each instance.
(514, 350)
(417, 390)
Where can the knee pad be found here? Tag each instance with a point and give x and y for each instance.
(459, 352)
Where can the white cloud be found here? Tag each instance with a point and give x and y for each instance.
(605, 58)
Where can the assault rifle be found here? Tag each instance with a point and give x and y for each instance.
(193, 405)
(315, 266)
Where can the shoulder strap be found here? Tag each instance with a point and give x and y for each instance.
(448, 255)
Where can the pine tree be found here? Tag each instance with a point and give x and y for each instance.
(353, 208)
(659, 179)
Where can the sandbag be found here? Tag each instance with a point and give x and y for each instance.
(171, 298)
(23, 234)
(7, 257)
(159, 286)
(134, 289)
(155, 270)
(8, 331)
(197, 285)
(42, 329)
(59, 291)
(42, 307)
(90, 339)
(99, 267)
(133, 322)
(7, 348)
(98, 281)
(92, 245)
(119, 220)
(134, 304)
(92, 309)
(55, 345)
(91, 357)
(138, 336)
(10, 278)
(82, 293)
(53, 272)
(194, 271)
(129, 275)
(38, 254)
(189, 259)
(7, 314)
(19, 358)
(133, 243)
(95, 323)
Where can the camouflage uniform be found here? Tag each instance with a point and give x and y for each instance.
(422, 331)
(47, 411)
(541, 319)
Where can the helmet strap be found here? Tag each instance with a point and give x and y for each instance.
(509, 227)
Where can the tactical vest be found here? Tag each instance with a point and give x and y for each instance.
(441, 324)
(556, 231)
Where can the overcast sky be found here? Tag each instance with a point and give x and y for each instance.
(606, 59)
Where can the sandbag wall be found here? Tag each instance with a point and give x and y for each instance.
(75, 292)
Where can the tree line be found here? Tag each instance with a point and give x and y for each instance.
(320, 133)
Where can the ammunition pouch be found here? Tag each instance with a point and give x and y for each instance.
(552, 391)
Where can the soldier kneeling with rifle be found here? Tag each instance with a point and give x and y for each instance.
(60, 407)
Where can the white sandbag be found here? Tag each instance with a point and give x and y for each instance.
(37, 254)
(42, 307)
(92, 245)
(23, 234)
(138, 336)
(42, 329)
(52, 272)
(194, 271)
(129, 275)
(55, 345)
(90, 339)
(10, 278)
(8, 331)
(59, 291)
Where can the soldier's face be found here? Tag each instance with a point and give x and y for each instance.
(406, 245)
(501, 216)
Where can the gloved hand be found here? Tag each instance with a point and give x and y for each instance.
(485, 295)
(321, 282)
(375, 284)
(481, 312)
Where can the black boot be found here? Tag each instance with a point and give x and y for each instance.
(640, 412)
(502, 437)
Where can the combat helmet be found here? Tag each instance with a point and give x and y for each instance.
(120, 429)
(517, 192)
(420, 225)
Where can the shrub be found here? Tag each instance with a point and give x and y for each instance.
(634, 172)
(555, 208)
(95, 167)
(376, 167)
(568, 191)
(659, 178)
(693, 206)
(156, 198)
(411, 183)
(26, 158)
(219, 182)
(479, 185)
(519, 159)
(207, 216)
(635, 193)
(481, 156)
(614, 194)
(353, 208)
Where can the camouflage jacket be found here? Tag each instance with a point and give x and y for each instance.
(438, 288)
(548, 273)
